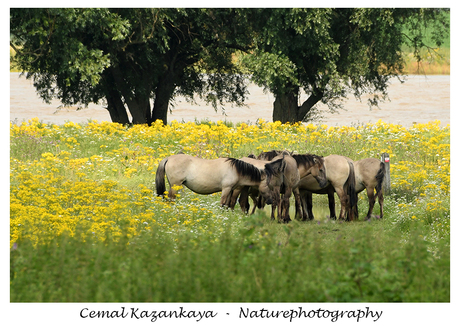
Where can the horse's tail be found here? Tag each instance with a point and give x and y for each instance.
(379, 176)
(351, 187)
(160, 178)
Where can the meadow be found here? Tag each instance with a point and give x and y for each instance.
(86, 224)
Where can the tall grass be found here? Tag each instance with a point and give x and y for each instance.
(262, 262)
(87, 226)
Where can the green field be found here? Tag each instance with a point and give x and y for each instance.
(87, 226)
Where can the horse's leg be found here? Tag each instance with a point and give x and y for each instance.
(276, 205)
(255, 200)
(306, 199)
(285, 204)
(234, 197)
(299, 213)
(355, 211)
(281, 209)
(331, 201)
(307, 204)
(371, 197)
(380, 196)
(172, 193)
(274, 208)
(243, 200)
(226, 196)
(343, 202)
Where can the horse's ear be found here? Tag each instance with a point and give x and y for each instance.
(315, 160)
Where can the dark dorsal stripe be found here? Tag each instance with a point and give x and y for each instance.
(307, 159)
(246, 169)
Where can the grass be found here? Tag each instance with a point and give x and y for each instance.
(264, 262)
(86, 226)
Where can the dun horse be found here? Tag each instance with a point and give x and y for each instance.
(369, 173)
(254, 192)
(209, 176)
(297, 167)
(340, 174)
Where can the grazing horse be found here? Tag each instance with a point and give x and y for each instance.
(369, 173)
(209, 176)
(340, 174)
(289, 181)
(254, 192)
(297, 167)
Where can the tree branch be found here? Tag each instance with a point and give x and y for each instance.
(308, 104)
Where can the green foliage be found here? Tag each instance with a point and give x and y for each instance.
(258, 263)
(126, 57)
(330, 53)
(129, 56)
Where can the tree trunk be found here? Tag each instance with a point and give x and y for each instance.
(305, 108)
(285, 108)
(139, 107)
(115, 104)
(116, 108)
(138, 103)
(163, 94)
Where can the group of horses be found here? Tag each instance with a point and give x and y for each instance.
(272, 177)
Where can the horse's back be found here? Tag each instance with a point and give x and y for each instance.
(186, 162)
(291, 170)
(259, 163)
(200, 175)
(337, 168)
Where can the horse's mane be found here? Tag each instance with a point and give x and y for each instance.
(307, 159)
(270, 171)
(270, 155)
(246, 169)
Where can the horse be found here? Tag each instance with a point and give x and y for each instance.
(369, 174)
(297, 167)
(210, 176)
(254, 192)
(290, 179)
(340, 174)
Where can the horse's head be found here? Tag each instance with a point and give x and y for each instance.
(271, 180)
(318, 171)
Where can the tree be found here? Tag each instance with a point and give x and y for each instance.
(329, 53)
(129, 56)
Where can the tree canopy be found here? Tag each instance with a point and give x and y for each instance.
(129, 57)
(329, 53)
